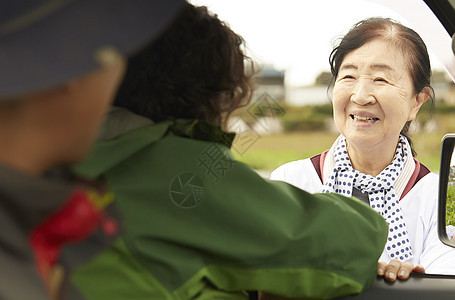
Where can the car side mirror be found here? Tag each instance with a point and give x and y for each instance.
(446, 210)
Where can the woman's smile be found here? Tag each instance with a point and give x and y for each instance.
(363, 119)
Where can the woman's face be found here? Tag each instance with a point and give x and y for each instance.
(373, 95)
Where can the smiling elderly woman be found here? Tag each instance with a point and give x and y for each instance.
(382, 77)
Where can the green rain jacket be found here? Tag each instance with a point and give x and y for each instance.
(201, 225)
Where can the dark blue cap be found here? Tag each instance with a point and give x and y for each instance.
(44, 43)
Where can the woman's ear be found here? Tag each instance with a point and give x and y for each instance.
(420, 99)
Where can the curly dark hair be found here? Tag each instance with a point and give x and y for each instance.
(195, 70)
(409, 41)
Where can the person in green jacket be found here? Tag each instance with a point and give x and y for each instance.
(197, 223)
(60, 65)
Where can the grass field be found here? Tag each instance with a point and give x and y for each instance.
(271, 151)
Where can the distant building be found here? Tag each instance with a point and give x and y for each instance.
(271, 81)
(315, 94)
(307, 95)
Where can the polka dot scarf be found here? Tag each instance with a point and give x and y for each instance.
(380, 190)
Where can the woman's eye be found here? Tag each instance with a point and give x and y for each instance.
(380, 79)
(347, 77)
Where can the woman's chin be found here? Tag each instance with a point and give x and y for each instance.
(362, 141)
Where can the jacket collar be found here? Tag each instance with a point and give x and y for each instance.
(200, 130)
(120, 142)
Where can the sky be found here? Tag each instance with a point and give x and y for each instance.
(296, 35)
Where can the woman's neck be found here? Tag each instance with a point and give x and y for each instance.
(374, 159)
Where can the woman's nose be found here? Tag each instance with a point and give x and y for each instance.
(362, 94)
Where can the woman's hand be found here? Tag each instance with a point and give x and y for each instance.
(395, 269)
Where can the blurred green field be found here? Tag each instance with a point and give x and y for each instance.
(271, 151)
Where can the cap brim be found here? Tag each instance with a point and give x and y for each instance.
(64, 44)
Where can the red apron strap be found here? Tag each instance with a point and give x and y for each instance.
(318, 164)
(419, 172)
(321, 164)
